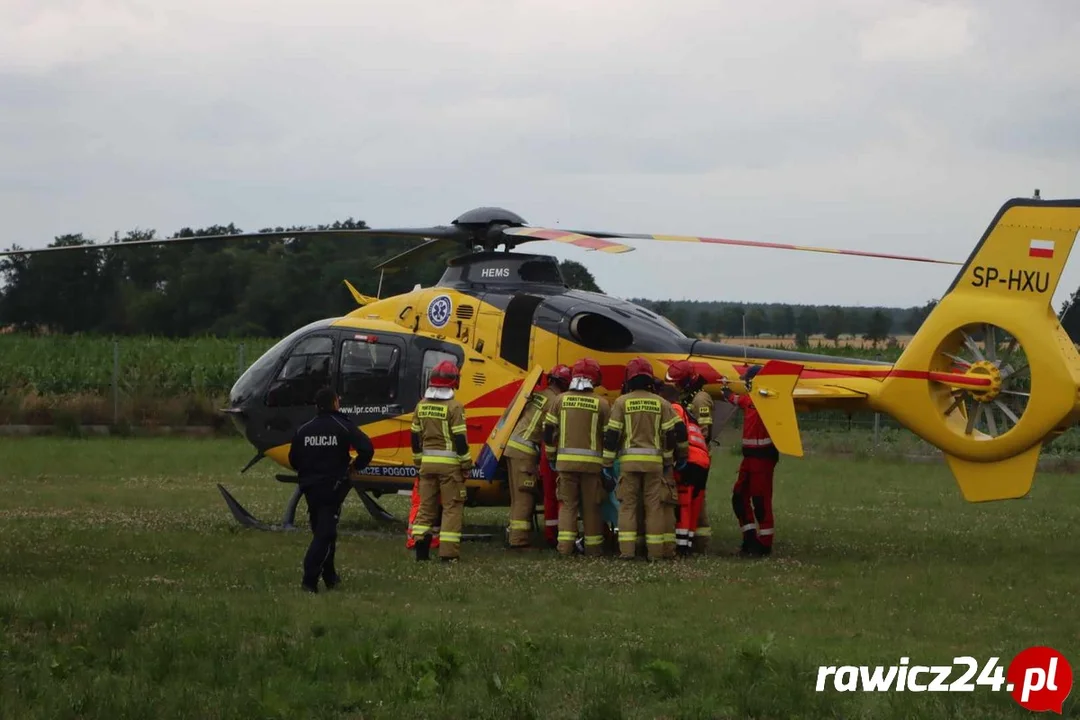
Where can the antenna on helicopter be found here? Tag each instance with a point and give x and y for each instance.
(378, 293)
(745, 337)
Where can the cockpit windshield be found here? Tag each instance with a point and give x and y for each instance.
(256, 378)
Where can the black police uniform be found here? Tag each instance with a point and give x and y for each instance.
(320, 455)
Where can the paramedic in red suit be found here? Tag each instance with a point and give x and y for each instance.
(691, 482)
(551, 499)
(414, 507)
(751, 497)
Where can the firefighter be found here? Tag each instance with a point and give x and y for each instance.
(751, 496)
(319, 453)
(648, 438)
(573, 437)
(522, 451)
(441, 453)
(699, 405)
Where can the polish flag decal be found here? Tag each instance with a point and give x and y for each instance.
(1041, 248)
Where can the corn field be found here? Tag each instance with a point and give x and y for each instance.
(79, 380)
(65, 365)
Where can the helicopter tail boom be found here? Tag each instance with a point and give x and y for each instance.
(991, 375)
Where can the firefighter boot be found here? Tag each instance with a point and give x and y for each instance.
(423, 548)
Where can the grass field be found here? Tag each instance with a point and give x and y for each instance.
(128, 592)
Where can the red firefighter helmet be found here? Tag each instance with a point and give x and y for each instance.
(587, 368)
(637, 367)
(561, 374)
(444, 375)
(682, 373)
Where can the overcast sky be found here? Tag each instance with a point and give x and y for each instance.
(866, 124)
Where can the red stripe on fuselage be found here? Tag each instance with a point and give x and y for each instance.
(500, 397)
(478, 431)
(942, 377)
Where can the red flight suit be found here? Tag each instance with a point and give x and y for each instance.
(751, 496)
(691, 483)
(551, 499)
(413, 509)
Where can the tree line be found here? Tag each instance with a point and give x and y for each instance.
(267, 288)
(729, 319)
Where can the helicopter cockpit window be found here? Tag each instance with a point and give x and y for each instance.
(431, 359)
(306, 370)
(599, 332)
(369, 373)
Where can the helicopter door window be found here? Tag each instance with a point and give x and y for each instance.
(306, 370)
(369, 373)
(431, 359)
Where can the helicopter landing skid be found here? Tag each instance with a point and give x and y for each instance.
(377, 511)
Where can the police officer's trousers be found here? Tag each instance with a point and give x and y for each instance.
(324, 510)
(584, 490)
(660, 497)
(523, 492)
(449, 485)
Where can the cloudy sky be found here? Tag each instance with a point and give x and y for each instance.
(868, 124)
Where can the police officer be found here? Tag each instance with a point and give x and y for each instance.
(441, 452)
(649, 438)
(573, 438)
(319, 453)
(522, 452)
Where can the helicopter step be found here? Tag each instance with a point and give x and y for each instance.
(288, 521)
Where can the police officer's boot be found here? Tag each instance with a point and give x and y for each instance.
(423, 547)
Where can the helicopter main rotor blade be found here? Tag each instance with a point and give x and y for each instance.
(440, 232)
(418, 253)
(584, 240)
(752, 243)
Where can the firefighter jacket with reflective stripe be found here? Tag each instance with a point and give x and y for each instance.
(439, 440)
(755, 438)
(699, 449)
(701, 409)
(524, 442)
(574, 431)
(645, 433)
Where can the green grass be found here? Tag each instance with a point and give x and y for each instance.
(128, 591)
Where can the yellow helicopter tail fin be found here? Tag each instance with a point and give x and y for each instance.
(360, 299)
(771, 392)
(1007, 479)
(1022, 254)
(991, 375)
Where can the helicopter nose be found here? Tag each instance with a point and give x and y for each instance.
(238, 417)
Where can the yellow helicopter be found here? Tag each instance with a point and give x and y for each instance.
(988, 379)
